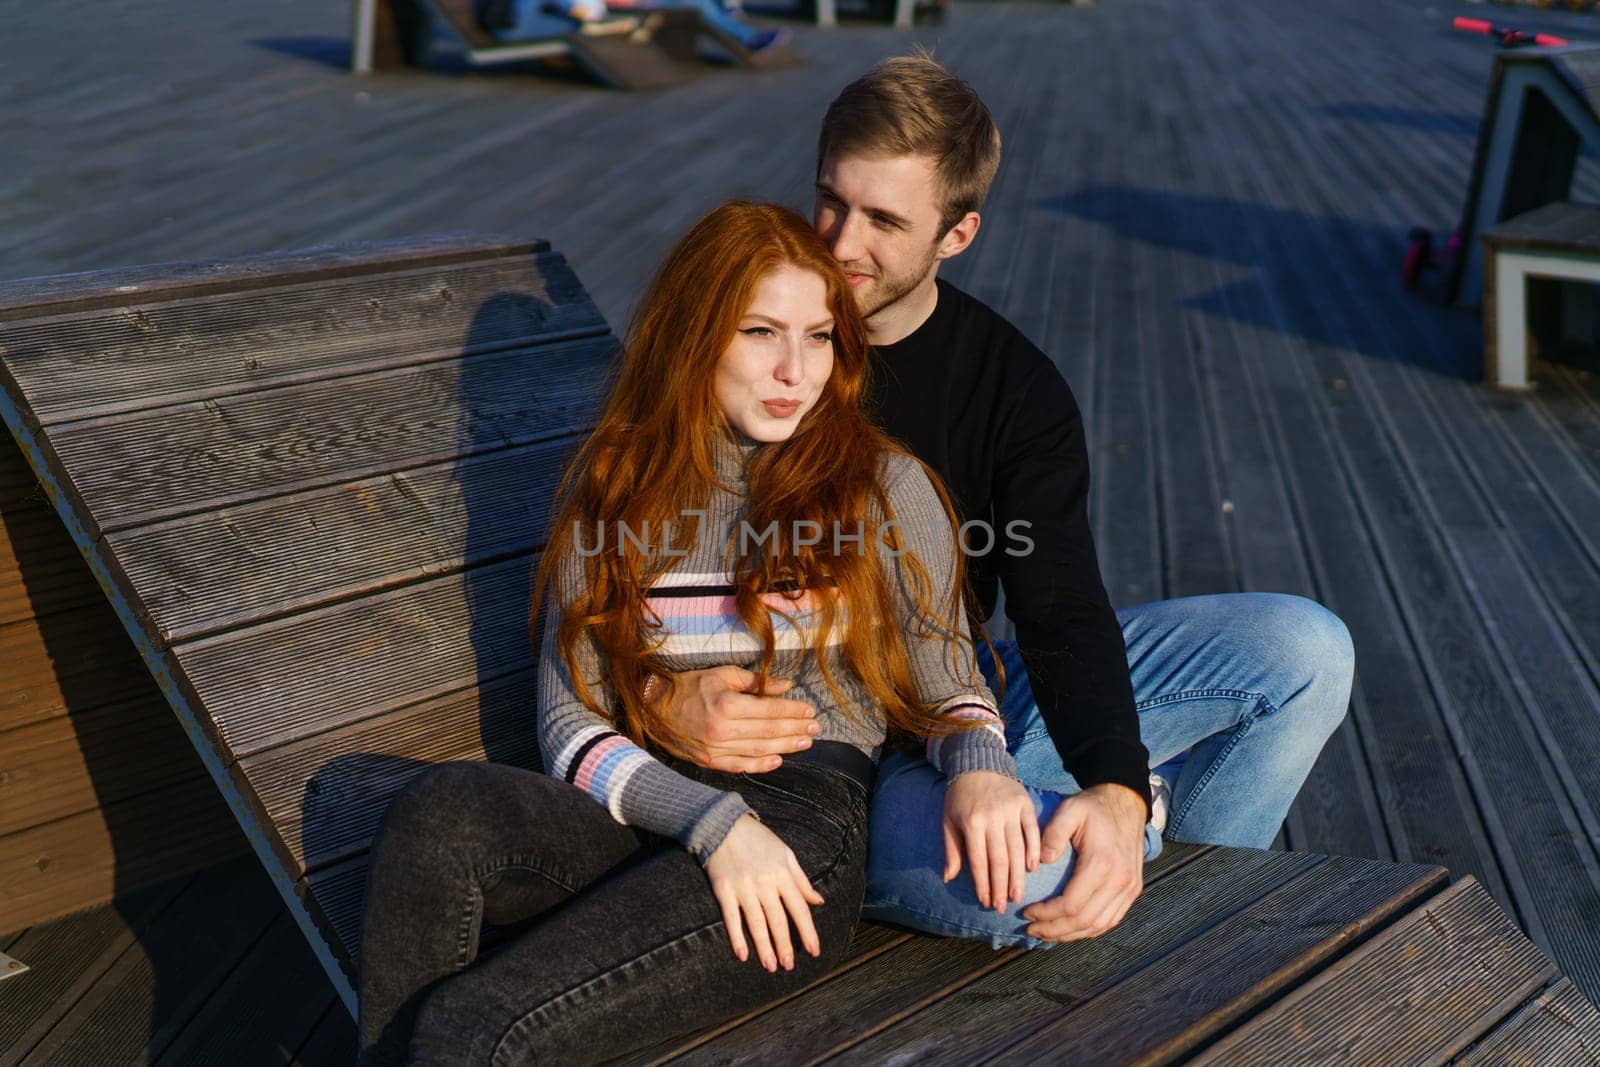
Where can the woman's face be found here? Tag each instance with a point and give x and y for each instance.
(774, 370)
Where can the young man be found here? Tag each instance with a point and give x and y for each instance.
(1243, 689)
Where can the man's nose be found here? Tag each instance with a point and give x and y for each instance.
(844, 238)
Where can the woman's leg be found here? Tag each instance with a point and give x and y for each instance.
(644, 955)
(463, 843)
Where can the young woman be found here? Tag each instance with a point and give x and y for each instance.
(733, 507)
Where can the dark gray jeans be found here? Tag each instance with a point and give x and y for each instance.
(626, 945)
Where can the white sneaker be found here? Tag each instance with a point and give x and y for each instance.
(1160, 802)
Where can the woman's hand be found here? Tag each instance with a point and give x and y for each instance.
(993, 816)
(755, 874)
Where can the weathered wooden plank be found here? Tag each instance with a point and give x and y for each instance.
(257, 561)
(152, 990)
(375, 654)
(19, 489)
(1558, 1026)
(335, 897)
(41, 571)
(131, 469)
(1557, 455)
(1419, 992)
(1125, 505)
(868, 941)
(326, 795)
(67, 957)
(1563, 448)
(62, 293)
(69, 764)
(1031, 987)
(1196, 470)
(1452, 568)
(1400, 718)
(83, 860)
(855, 1004)
(1266, 510)
(266, 1004)
(1191, 994)
(331, 1044)
(146, 354)
(68, 662)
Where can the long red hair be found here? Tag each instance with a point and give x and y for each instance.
(651, 458)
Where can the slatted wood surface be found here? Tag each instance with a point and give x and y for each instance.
(1232, 956)
(316, 519)
(1200, 218)
(91, 760)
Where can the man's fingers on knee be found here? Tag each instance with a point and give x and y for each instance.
(1054, 843)
(1058, 931)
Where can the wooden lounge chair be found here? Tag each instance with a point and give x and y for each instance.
(627, 53)
(313, 485)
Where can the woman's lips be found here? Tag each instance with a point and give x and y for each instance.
(781, 409)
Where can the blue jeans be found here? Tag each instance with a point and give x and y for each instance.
(714, 14)
(538, 19)
(1236, 696)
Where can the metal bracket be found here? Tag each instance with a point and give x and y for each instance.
(10, 968)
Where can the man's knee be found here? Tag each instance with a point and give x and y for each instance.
(1318, 635)
(1315, 645)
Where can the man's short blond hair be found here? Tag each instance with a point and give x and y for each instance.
(910, 105)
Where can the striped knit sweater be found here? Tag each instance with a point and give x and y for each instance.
(695, 604)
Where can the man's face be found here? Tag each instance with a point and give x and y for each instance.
(880, 215)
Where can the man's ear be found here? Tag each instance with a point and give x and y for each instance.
(959, 236)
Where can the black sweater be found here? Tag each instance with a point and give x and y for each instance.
(981, 405)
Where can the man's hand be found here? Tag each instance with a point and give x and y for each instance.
(1104, 824)
(731, 728)
(993, 816)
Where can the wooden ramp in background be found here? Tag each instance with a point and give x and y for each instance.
(312, 486)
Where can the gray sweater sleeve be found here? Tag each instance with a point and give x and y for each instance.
(583, 748)
(946, 675)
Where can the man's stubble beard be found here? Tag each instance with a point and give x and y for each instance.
(889, 289)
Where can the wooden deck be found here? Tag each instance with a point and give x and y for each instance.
(1200, 219)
